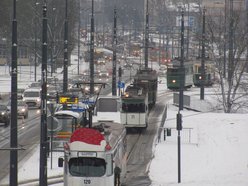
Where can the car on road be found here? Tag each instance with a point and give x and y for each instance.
(4, 115)
(32, 97)
(103, 77)
(52, 92)
(35, 85)
(22, 108)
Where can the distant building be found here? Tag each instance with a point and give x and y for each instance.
(220, 4)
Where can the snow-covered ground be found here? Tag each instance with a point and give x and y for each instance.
(213, 149)
(213, 146)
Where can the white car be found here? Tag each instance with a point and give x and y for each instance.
(32, 97)
(22, 108)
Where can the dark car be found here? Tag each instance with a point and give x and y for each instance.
(4, 115)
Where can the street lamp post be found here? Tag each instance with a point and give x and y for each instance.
(35, 42)
(65, 72)
(92, 30)
(79, 27)
(203, 58)
(43, 118)
(179, 116)
(13, 126)
(146, 35)
(114, 55)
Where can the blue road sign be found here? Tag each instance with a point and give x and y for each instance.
(121, 84)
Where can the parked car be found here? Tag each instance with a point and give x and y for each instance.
(22, 108)
(4, 115)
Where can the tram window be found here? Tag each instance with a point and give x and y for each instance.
(124, 107)
(87, 167)
(142, 107)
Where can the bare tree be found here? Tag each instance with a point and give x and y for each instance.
(234, 94)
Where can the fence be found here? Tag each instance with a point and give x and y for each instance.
(171, 134)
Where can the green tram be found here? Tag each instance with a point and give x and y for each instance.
(134, 107)
(147, 78)
(174, 75)
(209, 75)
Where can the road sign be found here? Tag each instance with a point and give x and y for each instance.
(121, 84)
(76, 108)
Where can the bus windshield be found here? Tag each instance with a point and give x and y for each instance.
(87, 167)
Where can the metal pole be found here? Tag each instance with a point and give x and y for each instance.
(51, 138)
(224, 62)
(231, 39)
(92, 50)
(187, 53)
(182, 79)
(79, 27)
(65, 74)
(43, 118)
(203, 78)
(179, 156)
(13, 178)
(120, 79)
(114, 56)
(146, 35)
(179, 128)
(35, 43)
(159, 47)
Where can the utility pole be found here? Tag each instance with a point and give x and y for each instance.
(182, 73)
(92, 49)
(203, 78)
(179, 116)
(114, 55)
(43, 118)
(146, 35)
(13, 178)
(120, 79)
(79, 27)
(65, 72)
(225, 38)
(231, 35)
(35, 42)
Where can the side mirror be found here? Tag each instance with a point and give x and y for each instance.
(60, 162)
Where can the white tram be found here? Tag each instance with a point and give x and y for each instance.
(95, 156)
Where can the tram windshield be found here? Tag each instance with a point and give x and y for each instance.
(87, 167)
(133, 107)
(172, 70)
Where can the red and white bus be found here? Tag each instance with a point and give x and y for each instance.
(95, 156)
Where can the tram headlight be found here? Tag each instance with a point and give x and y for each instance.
(173, 81)
(200, 77)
